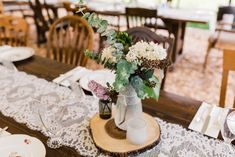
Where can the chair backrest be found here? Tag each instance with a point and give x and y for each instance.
(140, 17)
(13, 31)
(69, 37)
(225, 10)
(68, 7)
(234, 102)
(228, 65)
(145, 34)
(44, 16)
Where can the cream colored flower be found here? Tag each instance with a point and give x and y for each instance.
(107, 53)
(131, 56)
(150, 51)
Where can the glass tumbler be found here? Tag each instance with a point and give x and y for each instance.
(136, 131)
(228, 131)
(105, 109)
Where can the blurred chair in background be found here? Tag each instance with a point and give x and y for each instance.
(44, 16)
(224, 36)
(18, 8)
(145, 34)
(228, 65)
(68, 38)
(70, 8)
(234, 102)
(13, 31)
(1, 8)
(136, 17)
(143, 17)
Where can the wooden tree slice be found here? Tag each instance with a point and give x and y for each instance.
(108, 138)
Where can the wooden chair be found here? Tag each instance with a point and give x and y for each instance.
(70, 8)
(222, 38)
(44, 16)
(13, 31)
(145, 34)
(140, 17)
(228, 65)
(69, 37)
(234, 102)
(136, 17)
(1, 8)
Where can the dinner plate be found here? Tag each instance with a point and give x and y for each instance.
(4, 48)
(231, 122)
(21, 146)
(15, 54)
(100, 76)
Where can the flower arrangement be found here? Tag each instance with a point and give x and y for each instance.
(99, 91)
(133, 63)
(103, 93)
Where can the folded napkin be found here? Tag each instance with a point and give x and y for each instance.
(72, 75)
(209, 119)
(4, 133)
(218, 116)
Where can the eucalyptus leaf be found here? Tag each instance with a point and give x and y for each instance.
(96, 22)
(117, 53)
(138, 84)
(118, 46)
(123, 73)
(157, 87)
(81, 9)
(101, 29)
(86, 15)
(147, 74)
(143, 91)
(91, 18)
(104, 23)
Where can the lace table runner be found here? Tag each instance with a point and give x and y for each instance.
(18, 90)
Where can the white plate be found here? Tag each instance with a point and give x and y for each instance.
(100, 76)
(231, 122)
(4, 48)
(15, 54)
(21, 145)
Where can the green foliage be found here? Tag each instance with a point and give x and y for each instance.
(86, 15)
(124, 38)
(138, 84)
(91, 55)
(154, 91)
(143, 91)
(147, 74)
(123, 73)
(101, 26)
(97, 57)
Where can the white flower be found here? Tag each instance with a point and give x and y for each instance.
(107, 53)
(149, 51)
(130, 57)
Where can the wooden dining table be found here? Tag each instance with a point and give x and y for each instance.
(15, 6)
(170, 107)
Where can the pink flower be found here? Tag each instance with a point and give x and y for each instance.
(98, 90)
